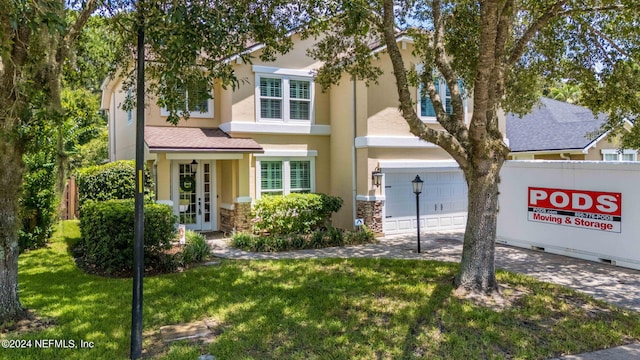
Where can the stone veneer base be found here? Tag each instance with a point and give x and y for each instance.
(371, 213)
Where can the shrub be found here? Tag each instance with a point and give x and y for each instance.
(317, 239)
(242, 240)
(37, 201)
(293, 213)
(336, 236)
(362, 236)
(195, 250)
(297, 242)
(115, 180)
(108, 233)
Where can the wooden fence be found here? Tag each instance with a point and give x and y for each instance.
(69, 206)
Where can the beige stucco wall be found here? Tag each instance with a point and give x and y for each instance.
(384, 118)
(227, 181)
(435, 153)
(163, 177)
(292, 142)
(121, 131)
(595, 153)
(363, 181)
(296, 58)
(382, 99)
(154, 117)
(341, 149)
(558, 157)
(243, 98)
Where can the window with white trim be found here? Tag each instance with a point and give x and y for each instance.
(426, 111)
(195, 98)
(617, 155)
(282, 97)
(283, 176)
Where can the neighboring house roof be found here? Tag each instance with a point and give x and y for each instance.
(554, 125)
(171, 138)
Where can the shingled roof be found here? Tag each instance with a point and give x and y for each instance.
(554, 125)
(171, 138)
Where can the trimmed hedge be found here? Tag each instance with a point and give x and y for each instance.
(316, 240)
(294, 213)
(108, 232)
(115, 180)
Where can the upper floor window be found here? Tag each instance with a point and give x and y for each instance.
(195, 98)
(615, 155)
(130, 112)
(425, 106)
(283, 94)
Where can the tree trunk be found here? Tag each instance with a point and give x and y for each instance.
(12, 168)
(477, 266)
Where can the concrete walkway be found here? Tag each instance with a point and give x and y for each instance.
(616, 285)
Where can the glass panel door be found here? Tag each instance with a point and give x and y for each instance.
(194, 195)
(187, 191)
(207, 189)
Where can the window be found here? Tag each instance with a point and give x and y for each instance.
(270, 98)
(283, 95)
(619, 155)
(300, 100)
(285, 176)
(130, 112)
(425, 106)
(129, 117)
(271, 177)
(300, 174)
(195, 98)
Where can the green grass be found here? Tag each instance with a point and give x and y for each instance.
(311, 309)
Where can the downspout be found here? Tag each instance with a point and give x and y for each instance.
(354, 160)
(112, 152)
(565, 156)
(155, 177)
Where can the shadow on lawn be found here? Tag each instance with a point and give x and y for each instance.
(331, 308)
(302, 309)
(85, 307)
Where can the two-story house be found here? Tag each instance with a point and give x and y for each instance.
(278, 133)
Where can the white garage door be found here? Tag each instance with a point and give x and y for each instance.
(443, 202)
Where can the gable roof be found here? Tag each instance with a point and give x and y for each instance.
(172, 138)
(554, 125)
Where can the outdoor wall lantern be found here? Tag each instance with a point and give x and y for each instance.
(417, 189)
(376, 177)
(194, 167)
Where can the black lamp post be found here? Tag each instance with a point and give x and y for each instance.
(417, 189)
(138, 243)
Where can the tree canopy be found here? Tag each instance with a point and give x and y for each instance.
(39, 41)
(504, 51)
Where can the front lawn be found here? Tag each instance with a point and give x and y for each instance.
(310, 309)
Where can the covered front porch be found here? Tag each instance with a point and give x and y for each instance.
(203, 173)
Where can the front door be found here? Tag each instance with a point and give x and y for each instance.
(194, 195)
